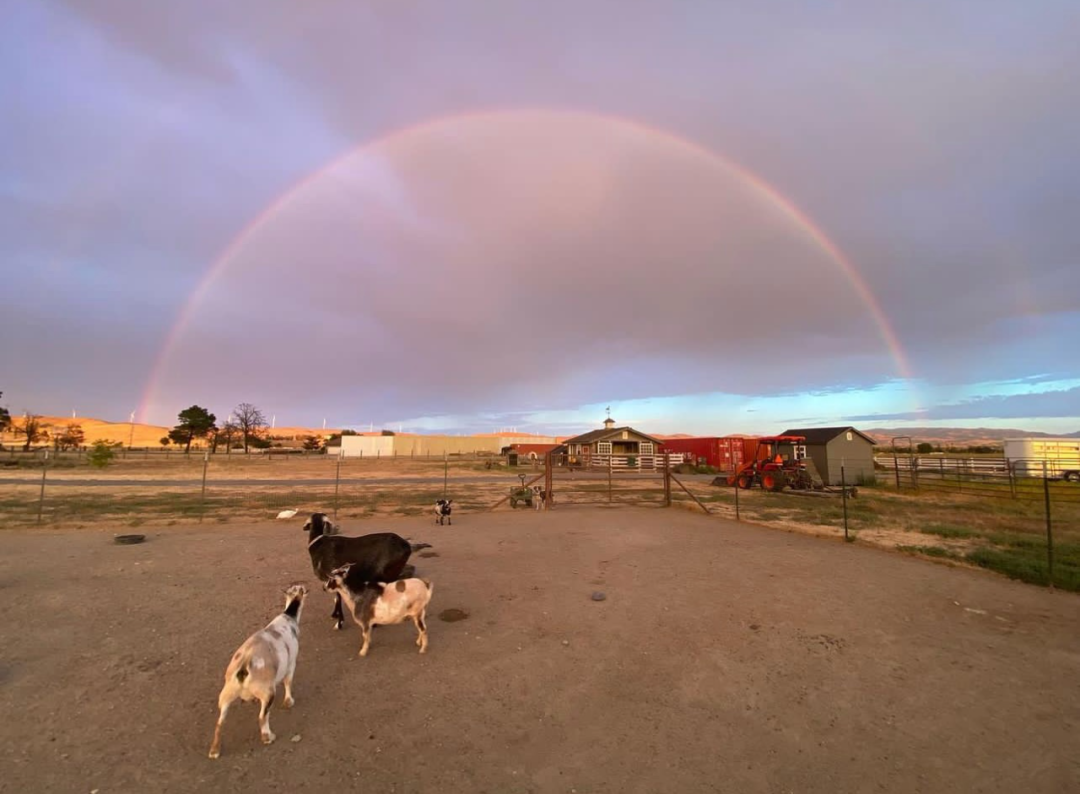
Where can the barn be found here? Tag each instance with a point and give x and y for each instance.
(619, 447)
(829, 448)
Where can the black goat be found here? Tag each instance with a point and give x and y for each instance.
(442, 510)
(380, 557)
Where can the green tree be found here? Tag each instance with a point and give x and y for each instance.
(102, 453)
(250, 421)
(164, 441)
(924, 448)
(312, 443)
(195, 422)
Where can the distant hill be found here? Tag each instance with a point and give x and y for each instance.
(958, 436)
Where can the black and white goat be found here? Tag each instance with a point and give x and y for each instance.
(266, 659)
(379, 557)
(442, 511)
(539, 497)
(384, 604)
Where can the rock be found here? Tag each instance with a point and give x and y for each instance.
(295, 738)
(598, 596)
(566, 642)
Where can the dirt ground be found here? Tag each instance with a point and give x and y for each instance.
(725, 657)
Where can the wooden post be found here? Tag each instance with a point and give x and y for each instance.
(667, 479)
(202, 496)
(446, 474)
(337, 483)
(1049, 530)
(609, 479)
(41, 496)
(549, 481)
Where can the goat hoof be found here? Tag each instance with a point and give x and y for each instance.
(268, 738)
(215, 752)
(289, 703)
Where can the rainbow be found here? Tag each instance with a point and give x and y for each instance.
(765, 190)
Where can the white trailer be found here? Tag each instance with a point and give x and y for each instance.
(1061, 456)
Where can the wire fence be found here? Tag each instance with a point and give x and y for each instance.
(994, 513)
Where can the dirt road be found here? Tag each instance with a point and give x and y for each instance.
(725, 657)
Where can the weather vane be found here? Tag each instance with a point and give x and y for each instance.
(608, 409)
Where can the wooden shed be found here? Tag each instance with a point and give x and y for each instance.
(829, 448)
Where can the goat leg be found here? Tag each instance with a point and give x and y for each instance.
(337, 615)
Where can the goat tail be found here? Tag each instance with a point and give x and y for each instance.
(243, 669)
(415, 547)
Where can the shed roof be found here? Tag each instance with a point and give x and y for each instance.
(823, 435)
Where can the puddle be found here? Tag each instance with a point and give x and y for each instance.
(453, 615)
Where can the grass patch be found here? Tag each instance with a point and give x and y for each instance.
(1025, 559)
(931, 551)
(947, 531)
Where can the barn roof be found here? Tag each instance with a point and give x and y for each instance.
(823, 435)
(604, 433)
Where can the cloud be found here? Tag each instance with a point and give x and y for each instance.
(481, 266)
(1056, 404)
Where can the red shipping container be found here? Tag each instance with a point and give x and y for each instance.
(725, 453)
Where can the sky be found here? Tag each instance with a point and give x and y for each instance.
(709, 217)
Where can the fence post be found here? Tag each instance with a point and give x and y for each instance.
(843, 489)
(737, 489)
(1012, 477)
(337, 484)
(549, 481)
(41, 497)
(896, 467)
(609, 479)
(1049, 529)
(202, 497)
(667, 480)
(445, 474)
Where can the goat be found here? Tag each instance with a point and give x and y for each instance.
(442, 510)
(539, 497)
(266, 659)
(379, 603)
(379, 557)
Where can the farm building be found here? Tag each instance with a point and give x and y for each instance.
(726, 453)
(534, 451)
(1061, 455)
(405, 445)
(621, 447)
(829, 448)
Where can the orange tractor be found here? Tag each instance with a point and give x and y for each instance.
(772, 470)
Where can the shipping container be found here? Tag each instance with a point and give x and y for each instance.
(725, 453)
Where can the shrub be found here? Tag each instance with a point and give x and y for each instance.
(101, 454)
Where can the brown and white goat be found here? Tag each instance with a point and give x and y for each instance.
(266, 659)
(382, 604)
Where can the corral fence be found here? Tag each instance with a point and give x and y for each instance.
(53, 489)
(648, 480)
(1049, 483)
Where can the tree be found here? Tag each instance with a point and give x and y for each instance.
(924, 448)
(249, 420)
(312, 443)
(32, 429)
(226, 434)
(5, 419)
(164, 441)
(73, 437)
(195, 422)
(102, 453)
